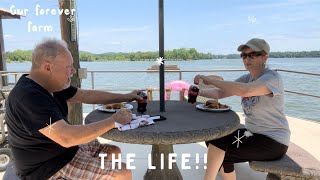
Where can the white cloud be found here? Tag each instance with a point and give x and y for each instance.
(312, 35)
(282, 4)
(296, 17)
(278, 37)
(132, 29)
(83, 34)
(221, 26)
(8, 37)
(106, 39)
(294, 42)
(258, 35)
(115, 43)
(110, 32)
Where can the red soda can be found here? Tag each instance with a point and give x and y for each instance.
(193, 93)
(142, 104)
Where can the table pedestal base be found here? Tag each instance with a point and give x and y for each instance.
(165, 173)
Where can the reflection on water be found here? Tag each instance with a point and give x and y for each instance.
(297, 106)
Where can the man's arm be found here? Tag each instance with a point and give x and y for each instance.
(71, 135)
(101, 97)
(228, 88)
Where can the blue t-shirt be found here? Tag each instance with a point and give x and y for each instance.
(265, 114)
(30, 108)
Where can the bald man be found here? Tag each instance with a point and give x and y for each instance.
(59, 151)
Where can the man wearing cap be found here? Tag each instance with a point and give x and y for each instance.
(266, 134)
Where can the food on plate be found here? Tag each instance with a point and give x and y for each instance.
(215, 105)
(115, 106)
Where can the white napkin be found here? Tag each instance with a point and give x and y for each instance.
(137, 121)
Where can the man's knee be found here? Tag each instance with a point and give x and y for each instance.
(124, 173)
(113, 150)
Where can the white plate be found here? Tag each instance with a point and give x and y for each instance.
(203, 108)
(102, 108)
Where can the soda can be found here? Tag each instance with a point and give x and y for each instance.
(142, 104)
(193, 93)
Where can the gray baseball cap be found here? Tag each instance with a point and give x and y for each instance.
(256, 44)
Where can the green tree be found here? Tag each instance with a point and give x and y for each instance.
(175, 54)
(8, 60)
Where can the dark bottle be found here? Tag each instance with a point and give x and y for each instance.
(193, 93)
(142, 104)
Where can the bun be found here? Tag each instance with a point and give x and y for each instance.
(212, 104)
(114, 106)
(215, 105)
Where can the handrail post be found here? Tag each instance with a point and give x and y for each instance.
(92, 80)
(15, 78)
(92, 85)
(1, 85)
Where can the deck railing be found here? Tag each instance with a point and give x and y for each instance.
(17, 74)
(299, 72)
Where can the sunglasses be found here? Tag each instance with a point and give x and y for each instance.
(251, 55)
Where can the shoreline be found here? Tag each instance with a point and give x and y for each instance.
(180, 60)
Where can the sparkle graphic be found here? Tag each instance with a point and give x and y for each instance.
(159, 60)
(71, 18)
(50, 126)
(238, 139)
(252, 19)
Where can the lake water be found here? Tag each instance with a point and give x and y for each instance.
(295, 105)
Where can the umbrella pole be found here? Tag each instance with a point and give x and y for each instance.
(161, 54)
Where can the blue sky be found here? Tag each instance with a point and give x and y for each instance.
(209, 26)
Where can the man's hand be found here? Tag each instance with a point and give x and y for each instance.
(134, 95)
(123, 116)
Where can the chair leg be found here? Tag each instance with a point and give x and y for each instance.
(182, 98)
(149, 94)
(168, 90)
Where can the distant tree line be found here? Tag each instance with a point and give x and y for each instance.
(173, 55)
(19, 55)
(301, 54)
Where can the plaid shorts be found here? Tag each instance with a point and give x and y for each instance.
(86, 164)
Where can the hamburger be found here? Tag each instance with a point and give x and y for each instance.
(215, 105)
(115, 106)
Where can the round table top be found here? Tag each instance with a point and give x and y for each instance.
(185, 124)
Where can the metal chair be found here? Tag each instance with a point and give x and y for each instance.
(5, 152)
(178, 85)
(151, 89)
(2, 113)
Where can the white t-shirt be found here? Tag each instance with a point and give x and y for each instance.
(265, 114)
